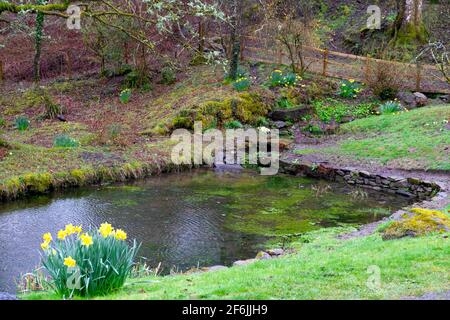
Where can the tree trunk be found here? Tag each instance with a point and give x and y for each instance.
(235, 39)
(38, 44)
(409, 24)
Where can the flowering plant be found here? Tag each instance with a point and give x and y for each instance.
(241, 84)
(279, 79)
(89, 263)
(125, 96)
(349, 89)
(391, 107)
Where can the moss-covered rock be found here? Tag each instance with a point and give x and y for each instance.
(247, 108)
(417, 222)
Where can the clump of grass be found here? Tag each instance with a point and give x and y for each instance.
(241, 84)
(22, 123)
(64, 141)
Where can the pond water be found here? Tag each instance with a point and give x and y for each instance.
(188, 219)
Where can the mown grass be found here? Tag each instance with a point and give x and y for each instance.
(416, 139)
(323, 267)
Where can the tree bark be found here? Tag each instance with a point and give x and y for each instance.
(235, 39)
(409, 22)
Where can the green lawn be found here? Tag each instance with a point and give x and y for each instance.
(416, 139)
(323, 268)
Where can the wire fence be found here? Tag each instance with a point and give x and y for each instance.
(414, 77)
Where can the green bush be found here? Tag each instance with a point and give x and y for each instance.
(235, 124)
(137, 79)
(64, 141)
(93, 263)
(168, 76)
(390, 107)
(22, 123)
(349, 89)
(262, 122)
(2, 123)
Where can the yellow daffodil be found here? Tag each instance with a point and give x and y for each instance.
(86, 240)
(120, 234)
(70, 229)
(62, 234)
(78, 229)
(351, 80)
(45, 245)
(105, 229)
(70, 262)
(47, 237)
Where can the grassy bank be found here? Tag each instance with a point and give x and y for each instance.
(323, 267)
(416, 139)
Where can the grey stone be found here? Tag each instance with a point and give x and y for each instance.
(275, 252)
(243, 262)
(404, 193)
(364, 174)
(215, 268)
(280, 124)
(263, 256)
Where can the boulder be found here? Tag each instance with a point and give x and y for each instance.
(289, 114)
(263, 256)
(421, 100)
(445, 98)
(407, 99)
(280, 124)
(275, 252)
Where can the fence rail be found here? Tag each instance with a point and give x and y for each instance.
(415, 77)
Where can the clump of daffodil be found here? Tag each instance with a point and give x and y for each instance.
(94, 253)
(86, 240)
(70, 262)
(105, 229)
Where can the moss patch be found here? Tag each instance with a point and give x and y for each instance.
(417, 222)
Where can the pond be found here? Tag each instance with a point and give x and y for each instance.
(197, 218)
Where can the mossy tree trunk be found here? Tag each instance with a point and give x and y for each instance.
(409, 24)
(38, 44)
(235, 39)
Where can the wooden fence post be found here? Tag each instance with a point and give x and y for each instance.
(418, 76)
(325, 62)
(367, 69)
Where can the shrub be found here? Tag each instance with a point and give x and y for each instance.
(137, 79)
(349, 89)
(168, 75)
(64, 141)
(390, 107)
(385, 81)
(22, 123)
(241, 84)
(92, 263)
(262, 122)
(125, 96)
(235, 124)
